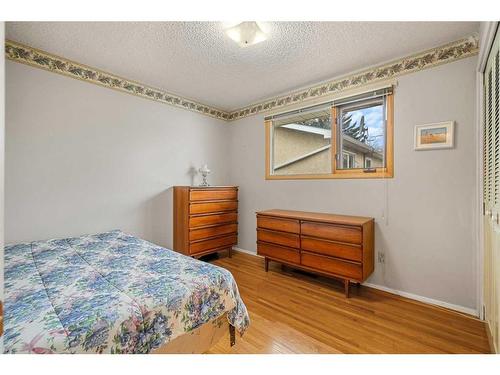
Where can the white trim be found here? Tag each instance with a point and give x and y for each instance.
(478, 219)
(416, 297)
(240, 250)
(485, 46)
(489, 333)
(429, 301)
(326, 133)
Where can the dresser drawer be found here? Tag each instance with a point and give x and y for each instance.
(198, 221)
(220, 242)
(335, 249)
(207, 195)
(212, 231)
(340, 233)
(278, 252)
(279, 238)
(284, 225)
(331, 265)
(202, 208)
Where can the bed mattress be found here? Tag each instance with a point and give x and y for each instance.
(110, 293)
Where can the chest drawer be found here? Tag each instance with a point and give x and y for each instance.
(220, 242)
(198, 221)
(202, 208)
(278, 252)
(335, 249)
(341, 233)
(212, 231)
(284, 225)
(279, 238)
(205, 219)
(207, 195)
(331, 265)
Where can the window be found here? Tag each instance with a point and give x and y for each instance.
(348, 160)
(349, 138)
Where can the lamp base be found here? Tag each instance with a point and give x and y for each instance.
(204, 181)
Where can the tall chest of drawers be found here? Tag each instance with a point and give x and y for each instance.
(332, 245)
(205, 219)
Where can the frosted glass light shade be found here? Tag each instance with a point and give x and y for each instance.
(246, 33)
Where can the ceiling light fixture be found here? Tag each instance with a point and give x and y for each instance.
(246, 33)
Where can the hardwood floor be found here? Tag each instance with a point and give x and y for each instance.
(293, 312)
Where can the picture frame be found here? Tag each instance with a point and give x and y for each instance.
(439, 135)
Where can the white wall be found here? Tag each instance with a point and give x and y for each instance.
(83, 159)
(428, 235)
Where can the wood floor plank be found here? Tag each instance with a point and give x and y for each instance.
(295, 312)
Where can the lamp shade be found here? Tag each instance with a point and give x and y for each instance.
(246, 33)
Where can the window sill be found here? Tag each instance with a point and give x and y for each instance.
(333, 176)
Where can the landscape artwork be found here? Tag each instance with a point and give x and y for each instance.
(428, 136)
(434, 136)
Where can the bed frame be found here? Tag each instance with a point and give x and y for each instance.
(201, 339)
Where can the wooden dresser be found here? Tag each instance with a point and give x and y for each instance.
(205, 219)
(333, 245)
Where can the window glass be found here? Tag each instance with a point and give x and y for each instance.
(302, 143)
(362, 138)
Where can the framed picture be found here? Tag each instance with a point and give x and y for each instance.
(434, 136)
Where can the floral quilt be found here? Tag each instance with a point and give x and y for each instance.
(109, 293)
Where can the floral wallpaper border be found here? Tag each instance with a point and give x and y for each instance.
(440, 55)
(24, 54)
(436, 56)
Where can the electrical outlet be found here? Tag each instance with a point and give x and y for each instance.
(381, 257)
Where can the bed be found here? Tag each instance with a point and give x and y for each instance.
(114, 293)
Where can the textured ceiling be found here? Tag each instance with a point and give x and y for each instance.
(198, 61)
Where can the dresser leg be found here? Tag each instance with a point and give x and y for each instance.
(229, 253)
(266, 262)
(346, 288)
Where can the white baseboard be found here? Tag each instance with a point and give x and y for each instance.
(430, 301)
(416, 297)
(238, 249)
(493, 347)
